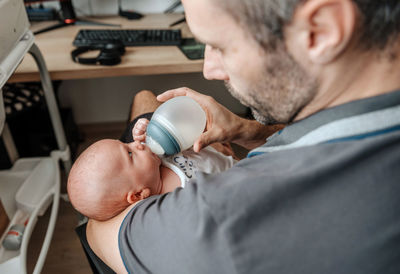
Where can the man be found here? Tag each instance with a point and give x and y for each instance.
(320, 196)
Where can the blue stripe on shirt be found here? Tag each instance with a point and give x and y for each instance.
(364, 135)
(348, 138)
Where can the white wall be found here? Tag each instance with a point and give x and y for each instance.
(100, 7)
(110, 7)
(109, 99)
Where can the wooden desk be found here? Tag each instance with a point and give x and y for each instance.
(56, 46)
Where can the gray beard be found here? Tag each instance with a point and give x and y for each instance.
(283, 91)
(263, 118)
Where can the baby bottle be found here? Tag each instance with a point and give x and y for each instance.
(175, 126)
(13, 239)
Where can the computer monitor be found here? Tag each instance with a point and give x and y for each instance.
(14, 24)
(67, 11)
(68, 17)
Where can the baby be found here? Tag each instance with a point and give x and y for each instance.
(110, 175)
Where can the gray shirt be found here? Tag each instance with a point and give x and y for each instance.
(321, 196)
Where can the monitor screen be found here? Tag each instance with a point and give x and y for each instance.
(14, 25)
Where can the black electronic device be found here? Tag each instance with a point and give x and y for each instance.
(41, 13)
(129, 14)
(68, 18)
(128, 37)
(192, 49)
(110, 54)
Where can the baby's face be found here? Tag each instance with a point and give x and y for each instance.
(134, 163)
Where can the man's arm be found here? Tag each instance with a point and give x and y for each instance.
(251, 134)
(103, 240)
(222, 124)
(170, 233)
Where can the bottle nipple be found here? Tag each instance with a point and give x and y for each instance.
(154, 146)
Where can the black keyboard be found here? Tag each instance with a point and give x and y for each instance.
(129, 37)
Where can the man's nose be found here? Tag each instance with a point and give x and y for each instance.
(213, 68)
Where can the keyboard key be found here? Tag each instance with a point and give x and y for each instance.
(129, 37)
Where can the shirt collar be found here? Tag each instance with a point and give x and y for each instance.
(359, 108)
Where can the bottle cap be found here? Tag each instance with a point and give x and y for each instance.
(161, 140)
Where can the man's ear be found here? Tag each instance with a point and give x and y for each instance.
(135, 196)
(322, 29)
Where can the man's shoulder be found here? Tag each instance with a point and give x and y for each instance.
(294, 170)
(273, 205)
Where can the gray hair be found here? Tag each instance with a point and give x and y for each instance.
(266, 19)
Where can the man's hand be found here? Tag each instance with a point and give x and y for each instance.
(220, 121)
(139, 130)
(222, 125)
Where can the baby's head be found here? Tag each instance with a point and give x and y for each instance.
(110, 175)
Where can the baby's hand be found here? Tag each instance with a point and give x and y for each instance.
(139, 130)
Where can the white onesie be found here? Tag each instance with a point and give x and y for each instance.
(185, 164)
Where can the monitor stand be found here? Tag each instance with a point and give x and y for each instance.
(69, 19)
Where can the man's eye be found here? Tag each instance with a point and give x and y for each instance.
(130, 154)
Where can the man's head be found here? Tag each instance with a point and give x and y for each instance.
(110, 175)
(278, 56)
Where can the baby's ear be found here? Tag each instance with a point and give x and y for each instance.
(135, 196)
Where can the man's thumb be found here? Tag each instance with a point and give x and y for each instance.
(203, 141)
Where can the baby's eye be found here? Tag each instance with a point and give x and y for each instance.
(130, 154)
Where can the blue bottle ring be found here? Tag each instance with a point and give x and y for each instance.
(159, 134)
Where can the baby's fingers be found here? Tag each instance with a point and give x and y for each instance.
(141, 124)
(137, 131)
(140, 138)
(140, 127)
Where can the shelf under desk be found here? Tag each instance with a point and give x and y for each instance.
(56, 46)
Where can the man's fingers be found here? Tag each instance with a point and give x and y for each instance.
(169, 94)
(197, 146)
(217, 116)
(204, 140)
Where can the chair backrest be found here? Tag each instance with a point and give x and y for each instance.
(97, 265)
(14, 25)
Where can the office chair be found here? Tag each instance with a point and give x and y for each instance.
(96, 264)
(29, 187)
